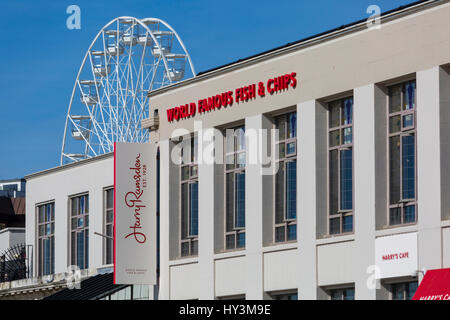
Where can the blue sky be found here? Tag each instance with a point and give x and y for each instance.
(40, 56)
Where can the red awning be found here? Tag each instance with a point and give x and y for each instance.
(434, 286)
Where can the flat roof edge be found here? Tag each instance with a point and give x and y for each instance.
(69, 165)
(303, 43)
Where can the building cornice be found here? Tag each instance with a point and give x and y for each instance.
(69, 165)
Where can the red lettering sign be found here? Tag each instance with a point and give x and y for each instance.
(225, 99)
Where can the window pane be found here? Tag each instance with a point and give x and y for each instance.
(395, 216)
(47, 256)
(230, 202)
(109, 245)
(335, 225)
(193, 223)
(280, 234)
(80, 223)
(347, 136)
(281, 150)
(184, 210)
(397, 291)
(291, 189)
(40, 262)
(184, 249)
(395, 124)
(194, 151)
(74, 223)
(347, 223)
(229, 241)
(52, 261)
(184, 173)
(110, 198)
(229, 160)
(279, 194)
(334, 114)
(335, 138)
(394, 169)
(336, 295)
(41, 210)
(194, 248)
(73, 248)
(411, 289)
(292, 232)
(86, 200)
(347, 111)
(346, 180)
(408, 121)
(240, 139)
(395, 93)
(240, 160)
(74, 206)
(80, 249)
(229, 137)
(240, 240)
(109, 216)
(349, 294)
(292, 128)
(410, 93)
(333, 185)
(408, 177)
(82, 205)
(290, 149)
(281, 126)
(194, 171)
(240, 200)
(86, 248)
(410, 214)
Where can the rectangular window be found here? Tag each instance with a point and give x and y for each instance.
(235, 188)
(285, 181)
(340, 166)
(79, 231)
(285, 296)
(108, 223)
(404, 290)
(46, 238)
(402, 153)
(342, 294)
(189, 200)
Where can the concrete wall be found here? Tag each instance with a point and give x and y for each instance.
(10, 237)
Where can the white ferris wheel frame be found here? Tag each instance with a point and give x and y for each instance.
(135, 22)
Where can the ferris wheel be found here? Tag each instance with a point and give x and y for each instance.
(128, 58)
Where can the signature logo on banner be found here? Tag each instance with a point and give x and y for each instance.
(133, 200)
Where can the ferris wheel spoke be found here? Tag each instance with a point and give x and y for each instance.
(77, 127)
(136, 119)
(100, 107)
(94, 121)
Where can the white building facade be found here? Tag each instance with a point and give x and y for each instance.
(359, 208)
